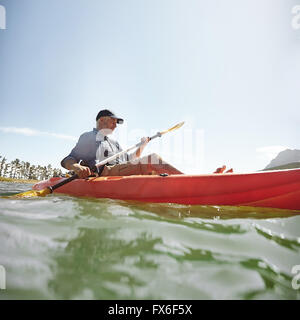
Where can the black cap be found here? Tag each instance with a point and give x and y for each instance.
(107, 113)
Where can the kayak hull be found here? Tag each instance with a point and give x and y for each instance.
(275, 189)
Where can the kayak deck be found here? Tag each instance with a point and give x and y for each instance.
(275, 189)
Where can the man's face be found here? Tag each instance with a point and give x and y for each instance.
(107, 125)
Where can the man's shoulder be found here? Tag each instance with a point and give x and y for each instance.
(88, 134)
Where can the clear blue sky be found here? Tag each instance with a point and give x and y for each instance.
(229, 68)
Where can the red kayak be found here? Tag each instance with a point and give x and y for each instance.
(275, 189)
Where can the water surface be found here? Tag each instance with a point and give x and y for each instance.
(62, 247)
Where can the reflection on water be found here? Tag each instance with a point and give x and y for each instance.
(60, 247)
(210, 212)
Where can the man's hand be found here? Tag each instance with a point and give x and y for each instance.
(144, 141)
(81, 171)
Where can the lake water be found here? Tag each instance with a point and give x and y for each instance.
(62, 247)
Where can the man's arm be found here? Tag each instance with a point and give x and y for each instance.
(72, 161)
(80, 170)
(139, 151)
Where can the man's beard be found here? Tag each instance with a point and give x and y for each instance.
(106, 131)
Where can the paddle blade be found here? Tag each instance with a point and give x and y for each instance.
(32, 193)
(177, 126)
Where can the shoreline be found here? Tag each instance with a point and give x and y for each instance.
(11, 180)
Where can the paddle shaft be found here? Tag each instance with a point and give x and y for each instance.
(103, 162)
(60, 184)
(75, 176)
(50, 189)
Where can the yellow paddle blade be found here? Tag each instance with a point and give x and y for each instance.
(31, 193)
(177, 126)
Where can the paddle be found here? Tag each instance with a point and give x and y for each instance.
(159, 134)
(44, 192)
(48, 190)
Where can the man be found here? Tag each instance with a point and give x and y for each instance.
(95, 146)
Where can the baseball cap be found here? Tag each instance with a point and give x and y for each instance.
(108, 113)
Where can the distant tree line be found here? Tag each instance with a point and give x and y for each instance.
(18, 169)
